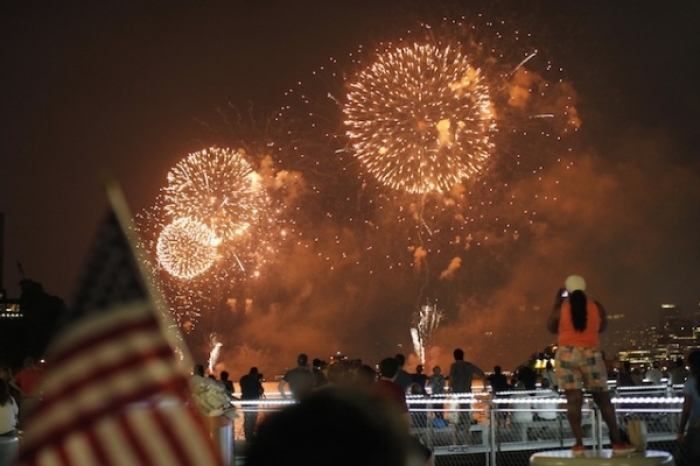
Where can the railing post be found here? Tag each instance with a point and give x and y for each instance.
(493, 426)
(598, 425)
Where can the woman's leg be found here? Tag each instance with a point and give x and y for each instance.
(607, 411)
(574, 403)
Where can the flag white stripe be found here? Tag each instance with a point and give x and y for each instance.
(80, 451)
(180, 419)
(117, 445)
(159, 450)
(49, 457)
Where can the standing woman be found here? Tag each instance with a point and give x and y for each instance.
(578, 322)
(690, 415)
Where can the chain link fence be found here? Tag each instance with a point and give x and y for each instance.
(505, 430)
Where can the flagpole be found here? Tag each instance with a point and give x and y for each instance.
(123, 213)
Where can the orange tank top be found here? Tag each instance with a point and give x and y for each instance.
(568, 336)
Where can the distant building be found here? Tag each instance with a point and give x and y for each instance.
(9, 308)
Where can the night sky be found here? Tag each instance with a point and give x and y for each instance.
(130, 88)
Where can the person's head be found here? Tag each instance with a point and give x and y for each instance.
(5, 373)
(655, 364)
(388, 367)
(401, 359)
(253, 371)
(224, 376)
(332, 419)
(415, 389)
(198, 370)
(497, 369)
(302, 359)
(545, 383)
(317, 363)
(458, 354)
(419, 369)
(627, 366)
(365, 375)
(437, 370)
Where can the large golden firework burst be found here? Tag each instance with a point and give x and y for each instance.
(420, 118)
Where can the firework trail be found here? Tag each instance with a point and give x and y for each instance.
(215, 352)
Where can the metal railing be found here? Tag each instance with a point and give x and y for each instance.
(506, 429)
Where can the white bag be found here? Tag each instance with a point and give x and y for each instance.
(638, 434)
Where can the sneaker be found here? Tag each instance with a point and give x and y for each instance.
(622, 449)
(578, 450)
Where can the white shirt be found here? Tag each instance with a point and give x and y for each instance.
(654, 375)
(8, 416)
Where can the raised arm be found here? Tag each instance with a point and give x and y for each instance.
(553, 320)
(283, 382)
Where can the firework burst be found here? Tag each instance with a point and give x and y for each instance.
(218, 188)
(186, 248)
(420, 118)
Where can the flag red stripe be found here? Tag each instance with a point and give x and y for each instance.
(134, 442)
(98, 450)
(173, 439)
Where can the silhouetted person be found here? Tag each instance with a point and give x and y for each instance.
(402, 378)
(300, 380)
(29, 381)
(251, 389)
(320, 377)
(228, 384)
(420, 379)
(461, 376)
(498, 380)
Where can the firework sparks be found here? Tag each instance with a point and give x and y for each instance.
(218, 188)
(215, 352)
(429, 318)
(420, 118)
(186, 248)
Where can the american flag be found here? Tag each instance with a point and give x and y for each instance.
(113, 393)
